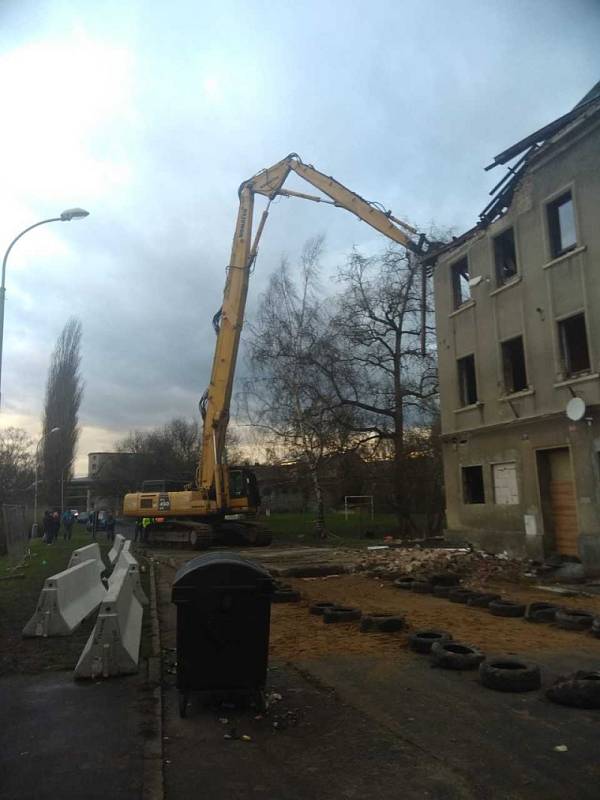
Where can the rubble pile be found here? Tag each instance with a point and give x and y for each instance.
(423, 563)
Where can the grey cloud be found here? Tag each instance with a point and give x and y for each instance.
(403, 102)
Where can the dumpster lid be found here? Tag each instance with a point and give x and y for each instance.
(217, 559)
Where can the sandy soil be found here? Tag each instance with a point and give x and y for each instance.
(297, 635)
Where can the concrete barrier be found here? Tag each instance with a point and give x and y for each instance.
(66, 600)
(114, 551)
(128, 562)
(114, 645)
(90, 551)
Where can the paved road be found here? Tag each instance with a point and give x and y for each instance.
(68, 740)
(501, 744)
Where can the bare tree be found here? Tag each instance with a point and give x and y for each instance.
(16, 465)
(169, 452)
(64, 391)
(379, 356)
(287, 394)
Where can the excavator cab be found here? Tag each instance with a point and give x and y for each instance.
(243, 490)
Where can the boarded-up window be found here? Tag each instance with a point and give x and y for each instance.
(506, 491)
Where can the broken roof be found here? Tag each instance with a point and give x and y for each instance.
(503, 191)
(543, 134)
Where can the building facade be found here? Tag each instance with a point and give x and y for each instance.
(518, 327)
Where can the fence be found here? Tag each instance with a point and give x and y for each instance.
(15, 534)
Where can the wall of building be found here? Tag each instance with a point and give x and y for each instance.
(511, 427)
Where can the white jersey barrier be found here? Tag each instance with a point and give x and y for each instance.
(114, 551)
(114, 645)
(66, 600)
(128, 562)
(90, 551)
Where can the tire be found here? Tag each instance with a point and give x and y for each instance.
(404, 583)
(541, 612)
(595, 631)
(441, 591)
(263, 539)
(579, 690)
(341, 614)
(422, 641)
(506, 608)
(445, 579)
(456, 655)
(509, 674)
(571, 619)
(482, 599)
(249, 534)
(460, 595)
(200, 540)
(421, 587)
(285, 596)
(319, 608)
(382, 623)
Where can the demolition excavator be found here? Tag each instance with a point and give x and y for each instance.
(225, 500)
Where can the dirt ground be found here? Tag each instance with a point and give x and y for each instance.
(298, 635)
(360, 715)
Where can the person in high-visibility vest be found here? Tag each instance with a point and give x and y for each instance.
(146, 521)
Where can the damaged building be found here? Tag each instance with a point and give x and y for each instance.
(518, 326)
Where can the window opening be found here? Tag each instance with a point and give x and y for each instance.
(561, 225)
(473, 491)
(513, 361)
(505, 256)
(460, 282)
(574, 344)
(467, 380)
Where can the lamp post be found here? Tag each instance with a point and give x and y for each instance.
(34, 527)
(66, 216)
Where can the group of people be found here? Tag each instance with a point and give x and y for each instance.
(52, 522)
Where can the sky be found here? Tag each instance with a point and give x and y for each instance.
(150, 114)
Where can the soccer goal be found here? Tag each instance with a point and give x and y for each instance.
(360, 502)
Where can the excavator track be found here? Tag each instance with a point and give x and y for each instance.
(247, 532)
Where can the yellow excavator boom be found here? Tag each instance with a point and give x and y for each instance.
(219, 491)
(269, 182)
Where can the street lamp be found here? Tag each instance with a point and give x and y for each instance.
(66, 216)
(34, 527)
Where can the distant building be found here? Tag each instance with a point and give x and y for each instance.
(101, 488)
(518, 326)
(101, 465)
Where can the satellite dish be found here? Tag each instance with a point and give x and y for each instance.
(475, 281)
(576, 409)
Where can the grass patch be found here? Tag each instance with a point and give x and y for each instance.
(358, 529)
(18, 599)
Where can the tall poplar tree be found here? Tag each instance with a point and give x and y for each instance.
(64, 391)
